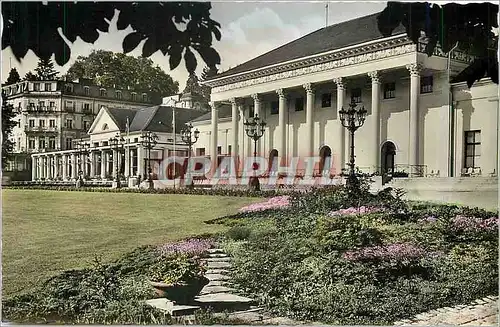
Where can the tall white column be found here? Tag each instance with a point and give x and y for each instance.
(213, 137)
(234, 127)
(376, 119)
(115, 162)
(92, 163)
(414, 91)
(74, 166)
(241, 131)
(64, 167)
(103, 164)
(341, 148)
(34, 162)
(310, 118)
(127, 162)
(140, 161)
(282, 107)
(256, 105)
(38, 167)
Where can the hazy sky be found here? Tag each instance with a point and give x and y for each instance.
(249, 29)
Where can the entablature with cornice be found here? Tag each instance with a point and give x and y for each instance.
(364, 53)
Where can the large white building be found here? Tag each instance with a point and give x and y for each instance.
(419, 121)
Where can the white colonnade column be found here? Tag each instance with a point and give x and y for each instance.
(341, 148)
(376, 119)
(414, 69)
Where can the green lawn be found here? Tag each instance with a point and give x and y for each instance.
(45, 232)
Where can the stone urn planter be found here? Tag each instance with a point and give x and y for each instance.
(180, 293)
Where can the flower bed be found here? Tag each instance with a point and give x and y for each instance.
(277, 202)
(371, 260)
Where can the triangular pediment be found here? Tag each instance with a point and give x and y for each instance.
(103, 123)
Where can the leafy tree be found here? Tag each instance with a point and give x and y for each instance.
(155, 22)
(29, 76)
(205, 74)
(467, 26)
(13, 77)
(121, 71)
(8, 124)
(45, 70)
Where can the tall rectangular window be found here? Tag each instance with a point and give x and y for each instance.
(42, 122)
(219, 150)
(52, 105)
(229, 149)
(326, 100)
(36, 86)
(31, 123)
(134, 96)
(299, 104)
(52, 123)
(389, 90)
(144, 97)
(69, 88)
(31, 143)
(41, 143)
(119, 95)
(48, 87)
(69, 123)
(69, 144)
(426, 84)
(274, 107)
(356, 95)
(86, 90)
(52, 142)
(102, 92)
(472, 149)
(86, 125)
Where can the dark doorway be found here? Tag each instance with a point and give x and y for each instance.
(388, 153)
(325, 154)
(272, 156)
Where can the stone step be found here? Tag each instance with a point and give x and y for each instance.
(218, 255)
(212, 251)
(218, 265)
(217, 271)
(171, 308)
(217, 283)
(223, 302)
(220, 259)
(216, 289)
(216, 277)
(247, 316)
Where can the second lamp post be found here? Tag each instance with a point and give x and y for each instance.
(255, 128)
(187, 135)
(352, 119)
(149, 141)
(116, 144)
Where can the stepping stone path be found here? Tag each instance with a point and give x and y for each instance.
(220, 297)
(483, 312)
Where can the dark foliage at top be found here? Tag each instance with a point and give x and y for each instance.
(34, 26)
(467, 26)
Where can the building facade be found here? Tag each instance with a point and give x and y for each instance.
(52, 114)
(419, 121)
(96, 158)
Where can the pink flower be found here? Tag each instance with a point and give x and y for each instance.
(355, 211)
(474, 224)
(277, 202)
(192, 246)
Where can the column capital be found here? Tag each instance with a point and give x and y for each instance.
(256, 97)
(340, 81)
(213, 105)
(235, 101)
(414, 68)
(282, 93)
(375, 76)
(309, 88)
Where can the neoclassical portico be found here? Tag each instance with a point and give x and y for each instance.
(383, 74)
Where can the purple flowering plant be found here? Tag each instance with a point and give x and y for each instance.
(189, 247)
(277, 202)
(398, 252)
(474, 224)
(355, 211)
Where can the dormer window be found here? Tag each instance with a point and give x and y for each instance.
(144, 97)
(102, 92)
(86, 90)
(69, 88)
(118, 95)
(134, 96)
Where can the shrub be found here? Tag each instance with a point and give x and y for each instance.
(238, 233)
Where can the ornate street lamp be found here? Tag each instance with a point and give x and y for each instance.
(149, 141)
(187, 135)
(82, 148)
(116, 143)
(255, 128)
(352, 119)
